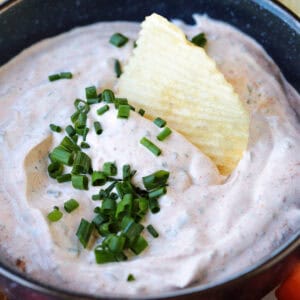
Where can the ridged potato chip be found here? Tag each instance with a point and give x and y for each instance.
(170, 77)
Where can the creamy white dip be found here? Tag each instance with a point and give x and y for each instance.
(210, 226)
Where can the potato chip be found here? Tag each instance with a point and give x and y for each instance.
(170, 77)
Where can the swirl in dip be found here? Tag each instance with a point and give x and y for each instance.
(210, 226)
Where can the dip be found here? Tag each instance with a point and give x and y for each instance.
(209, 226)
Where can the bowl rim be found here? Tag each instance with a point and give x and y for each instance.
(290, 245)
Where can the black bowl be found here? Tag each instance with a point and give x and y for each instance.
(23, 23)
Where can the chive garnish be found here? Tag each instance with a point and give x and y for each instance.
(55, 128)
(110, 169)
(120, 101)
(116, 244)
(154, 206)
(54, 77)
(150, 146)
(118, 40)
(108, 96)
(98, 128)
(66, 75)
(118, 68)
(93, 101)
(70, 130)
(123, 111)
(85, 132)
(139, 245)
(98, 178)
(64, 178)
(91, 92)
(152, 231)
(156, 180)
(62, 75)
(141, 111)
(55, 215)
(75, 116)
(164, 134)
(104, 256)
(158, 192)
(130, 278)
(82, 163)
(84, 145)
(159, 122)
(71, 205)
(61, 155)
(80, 182)
(69, 145)
(102, 110)
(199, 39)
(55, 169)
(84, 232)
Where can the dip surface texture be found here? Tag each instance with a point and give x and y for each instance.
(210, 226)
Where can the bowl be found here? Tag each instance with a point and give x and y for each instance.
(23, 23)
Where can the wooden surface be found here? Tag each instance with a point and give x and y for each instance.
(293, 5)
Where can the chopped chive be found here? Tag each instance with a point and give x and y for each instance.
(55, 128)
(55, 169)
(91, 101)
(164, 134)
(130, 277)
(66, 75)
(85, 133)
(80, 123)
(98, 178)
(132, 107)
(108, 207)
(116, 244)
(141, 111)
(110, 169)
(124, 206)
(84, 232)
(80, 182)
(98, 128)
(120, 101)
(118, 40)
(150, 146)
(71, 205)
(104, 256)
(108, 96)
(61, 155)
(123, 111)
(154, 206)
(159, 122)
(118, 68)
(69, 145)
(106, 228)
(81, 106)
(91, 92)
(55, 215)
(64, 178)
(54, 77)
(156, 179)
(74, 138)
(62, 75)
(70, 130)
(75, 116)
(84, 145)
(82, 163)
(158, 192)
(102, 110)
(126, 172)
(152, 231)
(199, 39)
(99, 219)
(134, 44)
(139, 245)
